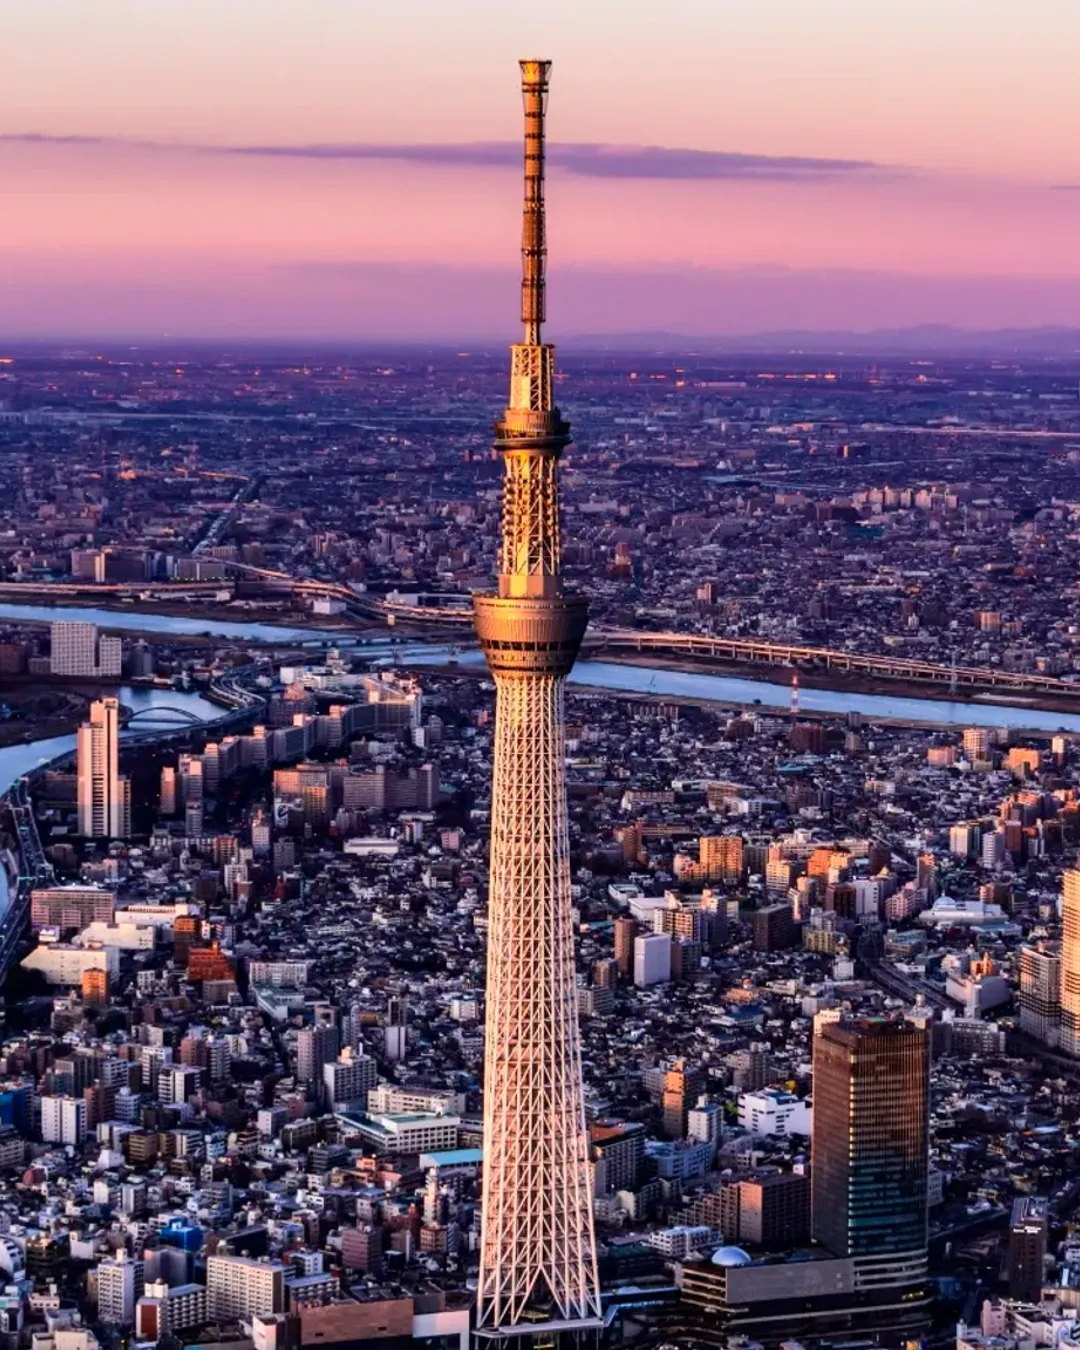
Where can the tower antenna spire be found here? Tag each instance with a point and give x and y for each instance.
(535, 78)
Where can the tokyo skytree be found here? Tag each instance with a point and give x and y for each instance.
(538, 1280)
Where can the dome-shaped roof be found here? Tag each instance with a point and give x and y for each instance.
(730, 1256)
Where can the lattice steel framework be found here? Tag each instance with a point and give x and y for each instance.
(538, 1254)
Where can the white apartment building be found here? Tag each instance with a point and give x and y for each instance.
(76, 649)
(349, 1078)
(63, 1120)
(773, 1112)
(392, 1099)
(678, 1242)
(64, 962)
(163, 1311)
(279, 974)
(119, 1286)
(239, 1288)
(652, 959)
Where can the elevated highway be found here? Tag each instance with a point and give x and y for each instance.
(750, 651)
(34, 870)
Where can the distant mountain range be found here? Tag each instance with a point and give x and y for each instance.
(924, 339)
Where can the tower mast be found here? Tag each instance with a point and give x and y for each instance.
(538, 1274)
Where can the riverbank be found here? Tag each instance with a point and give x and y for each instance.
(39, 711)
(841, 680)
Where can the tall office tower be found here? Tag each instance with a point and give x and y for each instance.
(1070, 962)
(869, 1148)
(104, 798)
(1040, 992)
(538, 1250)
(1026, 1268)
(167, 795)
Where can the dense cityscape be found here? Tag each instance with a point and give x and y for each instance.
(594, 867)
(245, 934)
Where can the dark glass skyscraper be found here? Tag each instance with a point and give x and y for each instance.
(870, 1158)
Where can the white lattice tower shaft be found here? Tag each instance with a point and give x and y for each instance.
(538, 1253)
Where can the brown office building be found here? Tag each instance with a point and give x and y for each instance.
(1027, 1247)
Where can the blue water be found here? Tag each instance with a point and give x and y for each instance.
(603, 674)
(16, 760)
(127, 620)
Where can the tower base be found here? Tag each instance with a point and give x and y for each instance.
(587, 1333)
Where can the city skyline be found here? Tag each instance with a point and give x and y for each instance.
(772, 173)
(471, 887)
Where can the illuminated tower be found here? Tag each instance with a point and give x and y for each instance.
(538, 1254)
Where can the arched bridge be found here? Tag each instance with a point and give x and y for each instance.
(164, 712)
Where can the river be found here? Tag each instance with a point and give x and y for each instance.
(612, 675)
(166, 625)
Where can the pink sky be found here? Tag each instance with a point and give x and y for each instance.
(953, 122)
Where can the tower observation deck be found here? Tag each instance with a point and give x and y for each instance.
(538, 1279)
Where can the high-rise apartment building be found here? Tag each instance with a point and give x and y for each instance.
(870, 1161)
(652, 959)
(75, 649)
(349, 1078)
(190, 773)
(120, 1282)
(721, 857)
(167, 795)
(237, 1287)
(537, 1247)
(316, 1046)
(625, 931)
(71, 906)
(1070, 962)
(977, 743)
(1040, 992)
(682, 1087)
(396, 1040)
(63, 1120)
(104, 798)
